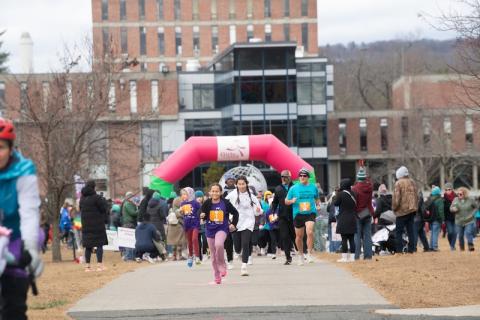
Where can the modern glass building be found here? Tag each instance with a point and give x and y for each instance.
(261, 88)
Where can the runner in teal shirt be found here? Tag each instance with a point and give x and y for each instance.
(306, 196)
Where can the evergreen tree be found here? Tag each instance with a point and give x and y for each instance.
(3, 57)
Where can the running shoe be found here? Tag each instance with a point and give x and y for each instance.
(243, 270)
(288, 262)
(230, 266)
(250, 260)
(309, 258)
(218, 280)
(198, 261)
(189, 262)
(149, 259)
(138, 260)
(300, 260)
(223, 273)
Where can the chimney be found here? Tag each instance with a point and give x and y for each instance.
(26, 53)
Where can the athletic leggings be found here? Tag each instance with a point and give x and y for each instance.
(192, 238)
(88, 254)
(274, 236)
(202, 244)
(246, 238)
(216, 253)
(351, 239)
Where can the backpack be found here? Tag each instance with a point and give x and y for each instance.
(429, 212)
(172, 218)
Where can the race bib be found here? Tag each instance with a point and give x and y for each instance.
(187, 209)
(272, 218)
(216, 216)
(304, 206)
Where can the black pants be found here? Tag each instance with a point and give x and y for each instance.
(351, 239)
(14, 298)
(99, 252)
(202, 244)
(274, 235)
(229, 246)
(246, 240)
(287, 236)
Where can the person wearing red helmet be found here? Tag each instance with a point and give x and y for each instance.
(19, 212)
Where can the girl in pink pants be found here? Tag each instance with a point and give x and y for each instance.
(216, 211)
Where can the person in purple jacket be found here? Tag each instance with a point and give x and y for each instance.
(191, 223)
(216, 211)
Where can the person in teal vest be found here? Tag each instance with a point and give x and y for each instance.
(19, 212)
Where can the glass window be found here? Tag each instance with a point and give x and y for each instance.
(68, 96)
(213, 9)
(363, 134)
(202, 127)
(177, 9)
(426, 131)
(124, 39)
(286, 8)
(215, 38)
(249, 32)
(143, 41)
(231, 10)
(141, 9)
(133, 96)
(267, 8)
(305, 36)
(2, 95)
(304, 91)
(286, 32)
(97, 149)
(279, 129)
(154, 91)
(275, 58)
(203, 97)
(249, 59)
(304, 8)
(160, 9)
(161, 41)
(318, 90)
(447, 126)
(319, 133)
(178, 40)
(104, 9)
(292, 89)
(468, 130)
(233, 34)
(105, 40)
(251, 90)
(342, 134)
(111, 97)
(151, 140)
(384, 134)
(268, 32)
(275, 89)
(45, 95)
(196, 40)
(195, 14)
(249, 8)
(405, 132)
(23, 96)
(178, 66)
(123, 10)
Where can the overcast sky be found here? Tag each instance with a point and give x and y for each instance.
(54, 23)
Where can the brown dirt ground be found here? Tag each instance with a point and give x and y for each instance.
(64, 283)
(432, 279)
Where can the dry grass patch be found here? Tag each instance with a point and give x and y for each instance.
(63, 284)
(432, 279)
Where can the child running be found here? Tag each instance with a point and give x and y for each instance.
(216, 212)
(191, 223)
(248, 207)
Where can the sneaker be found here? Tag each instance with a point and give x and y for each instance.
(218, 280)
(250, 260)
(262, 251)
(223, 274)
(229, 266)
(198, 261)
(287, 263)
(138, 260)
(189, 262)
(243, 270)
(274, 257)
(344, 258)
(300, 260)
(309, 258)
(149, 259)
(236, 256)
(205, 258)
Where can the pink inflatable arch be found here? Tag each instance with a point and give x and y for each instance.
(198, 150)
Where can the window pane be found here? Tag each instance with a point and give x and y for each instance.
(161, 41)
(251, 90)
(143, 41)
(275, 58)
(318, 91)
(178, 40)
(319, 133)
(177, 9)
(275, 91)
(215, 38)
(123, 9)
(286, 8)
(363, 134)
(124, 40)
(286, 32)
(267, 8)
(304, 92)
(104, 9)
(250, 59)
(304, 7)
(141, 9)
(160, 9)
(305, 36)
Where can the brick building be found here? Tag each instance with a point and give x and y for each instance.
(164, 34)
(432, 128)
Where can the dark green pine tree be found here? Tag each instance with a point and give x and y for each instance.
(3, 57)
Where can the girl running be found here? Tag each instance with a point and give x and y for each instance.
(248, 207)
(216, 212)
(191, 223)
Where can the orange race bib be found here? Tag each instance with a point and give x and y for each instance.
(187, 209)
(216, 216)
(304, 206)
(272, 218)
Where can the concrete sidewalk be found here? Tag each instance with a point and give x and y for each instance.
(173, 285)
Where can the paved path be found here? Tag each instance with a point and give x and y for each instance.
(172, 286)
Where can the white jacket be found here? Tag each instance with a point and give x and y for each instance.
(246, 213)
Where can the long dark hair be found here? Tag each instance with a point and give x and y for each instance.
(248, 190)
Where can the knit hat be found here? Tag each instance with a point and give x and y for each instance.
(361, 174)
(382, 189)
(116, 208)
(173, 195)
(401, 172)
(156, 195)
(199, 194)
(436, 191)
(448, 185)
(128, 195)
(304, 171)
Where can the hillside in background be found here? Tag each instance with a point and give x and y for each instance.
(364, 73)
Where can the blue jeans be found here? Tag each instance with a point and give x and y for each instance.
(451, 233)
(419, 232)
(333, 245)
(402, 223)
(465, 231)
(363, 235)
(434, 233)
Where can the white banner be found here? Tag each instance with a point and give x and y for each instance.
(233, 148)
(126, 237)
(112, 237)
